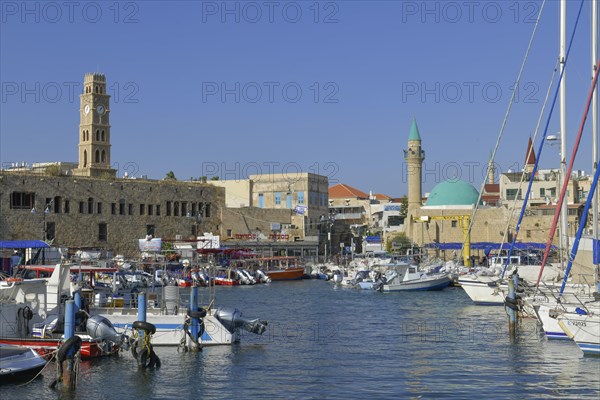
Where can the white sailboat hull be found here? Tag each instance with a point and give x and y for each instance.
(584, 330)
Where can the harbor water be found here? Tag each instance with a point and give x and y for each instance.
(331, 342)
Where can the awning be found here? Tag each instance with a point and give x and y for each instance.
(489, 246)
(23, 244)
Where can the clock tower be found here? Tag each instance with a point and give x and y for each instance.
(94, 129)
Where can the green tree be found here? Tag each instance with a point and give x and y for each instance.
(399, 240)
(170, 176)
(214, 178)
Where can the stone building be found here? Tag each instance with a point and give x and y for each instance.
(88, 207)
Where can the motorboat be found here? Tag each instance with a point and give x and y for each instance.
(407, 277)
(19, 364)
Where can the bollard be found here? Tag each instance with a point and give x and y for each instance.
(68, 365)
(194, 307)
(512, 313)
(142, 306)
(78, 298)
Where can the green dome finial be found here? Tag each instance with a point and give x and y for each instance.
(414, 131)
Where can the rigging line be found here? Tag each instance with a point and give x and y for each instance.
(504, 122)
(541, 147)
(514, 204)
(567, 175)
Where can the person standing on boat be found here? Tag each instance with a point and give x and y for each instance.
(15, 260)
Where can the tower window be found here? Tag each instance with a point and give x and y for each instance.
(102, 136)
(103, 156)
(85, 158)
(83, 136)
(97, 89)
(97, 158)
(97, 135)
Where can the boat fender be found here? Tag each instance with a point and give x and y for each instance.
(149, 359)
(72, 343)
(145, 326)
(510, 303)
(14, 279)
(201, 313)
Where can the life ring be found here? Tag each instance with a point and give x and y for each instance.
(201, 313)
(145, 326)
(149, 359)
(74, 343)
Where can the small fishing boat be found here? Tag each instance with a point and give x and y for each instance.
(405, 277)
(19, 364)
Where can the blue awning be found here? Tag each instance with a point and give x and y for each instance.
(489, 246)
(23, 244)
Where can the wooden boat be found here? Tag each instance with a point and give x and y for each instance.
(276, 268)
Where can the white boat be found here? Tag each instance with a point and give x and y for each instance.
(19, 364)
(584, 329)
(171, 320)
(405, 277)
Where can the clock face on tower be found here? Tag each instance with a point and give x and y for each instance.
(100, 109)
(86, 109)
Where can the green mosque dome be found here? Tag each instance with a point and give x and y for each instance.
(453, 193)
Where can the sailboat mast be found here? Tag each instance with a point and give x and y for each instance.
(564, 241)
(594, 42)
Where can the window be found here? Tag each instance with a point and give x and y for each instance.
(81, 207)
(130, 209)
(22, 200)
(542, 192)
(67, 206)
(102, 232)
(121, 207)
(113, 208)
(99, 208)
(150, 230)
(97, 156)
(158, 209)
(528, 233)
(207, 210)
(201, 209)
(90, 206)
(288, 200)
(176, 209)
(193, 209)
(229, 233)
(57, 204)
(184, 209)
(168, 208)
(277, 198)
(150, 209)
(511, 194)
(261, 200)
(142, 209)
(300, 197)
(454, 224)
(50, 230)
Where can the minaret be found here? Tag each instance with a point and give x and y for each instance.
(491, 171)
(529, 158)
(94, 129)
(414, 157)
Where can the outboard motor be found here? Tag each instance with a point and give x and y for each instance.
(100, 328)
(249, 277)
(232, 320)
(379, 282)
(262, 277)
(241, 277)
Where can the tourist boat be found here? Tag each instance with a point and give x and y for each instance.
(276, 268)
(405, 277)
(19, 364)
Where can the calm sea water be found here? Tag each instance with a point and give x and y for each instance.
(330, 342)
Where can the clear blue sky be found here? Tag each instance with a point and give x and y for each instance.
(365, 69)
